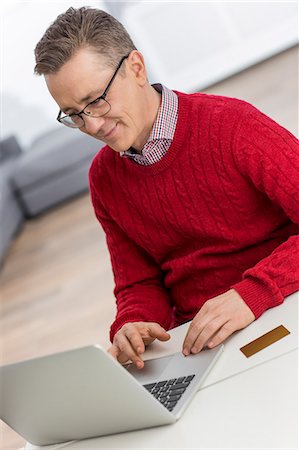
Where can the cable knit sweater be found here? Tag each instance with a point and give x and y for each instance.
(220, 210)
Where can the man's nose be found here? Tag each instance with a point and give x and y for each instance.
(93, 125)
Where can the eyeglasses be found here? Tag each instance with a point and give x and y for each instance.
(97, 108)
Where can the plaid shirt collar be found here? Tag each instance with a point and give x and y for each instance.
(164, 125)
(162, 132)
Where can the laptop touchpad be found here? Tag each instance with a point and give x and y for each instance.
(151, 371)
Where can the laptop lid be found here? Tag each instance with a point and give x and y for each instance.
(76, 394)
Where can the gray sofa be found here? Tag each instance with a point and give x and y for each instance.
(11, 212)
(53, 170)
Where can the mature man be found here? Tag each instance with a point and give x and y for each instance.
(198, 194)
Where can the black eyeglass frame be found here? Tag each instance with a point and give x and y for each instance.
(101, 97)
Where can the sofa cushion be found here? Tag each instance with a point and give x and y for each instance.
(9, 148)
(54, 169)
(11, 212)
(53, 155)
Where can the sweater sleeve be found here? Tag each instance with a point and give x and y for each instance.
(267, 155)
(139, 290)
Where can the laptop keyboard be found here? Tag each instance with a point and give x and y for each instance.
(169, 392)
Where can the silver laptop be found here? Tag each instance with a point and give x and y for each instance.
(84, 393)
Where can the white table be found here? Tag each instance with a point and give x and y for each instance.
(245, 403)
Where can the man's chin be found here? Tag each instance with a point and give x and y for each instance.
(116, 146)
(119, 146)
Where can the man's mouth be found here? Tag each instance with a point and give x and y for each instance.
(110, 132)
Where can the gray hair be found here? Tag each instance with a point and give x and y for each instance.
(81, 28)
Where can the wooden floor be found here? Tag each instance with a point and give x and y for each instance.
(56, 283)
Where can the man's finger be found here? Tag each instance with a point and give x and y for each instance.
(222, 334)
(210, 329)
(125, 347)
(123, 358)
(133, 335)
(157, 332)
(114, 351)
(193, 332)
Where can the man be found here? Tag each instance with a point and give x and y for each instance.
(197, 194)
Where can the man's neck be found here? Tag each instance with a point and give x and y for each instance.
(151, 109)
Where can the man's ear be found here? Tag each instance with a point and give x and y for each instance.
(136, 67)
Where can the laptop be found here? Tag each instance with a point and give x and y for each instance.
(85, 393)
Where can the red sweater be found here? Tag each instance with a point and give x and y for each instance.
(220, 210)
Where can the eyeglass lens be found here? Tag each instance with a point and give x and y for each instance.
(98, 108)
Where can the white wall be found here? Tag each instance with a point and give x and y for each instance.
(190, 45)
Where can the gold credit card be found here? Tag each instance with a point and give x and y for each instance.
(264, 341)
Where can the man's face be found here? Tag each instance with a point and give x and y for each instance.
(84, 78)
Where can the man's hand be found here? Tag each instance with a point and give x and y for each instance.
(130, 341)
(217, 319)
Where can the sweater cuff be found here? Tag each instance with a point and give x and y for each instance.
(257, 296)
